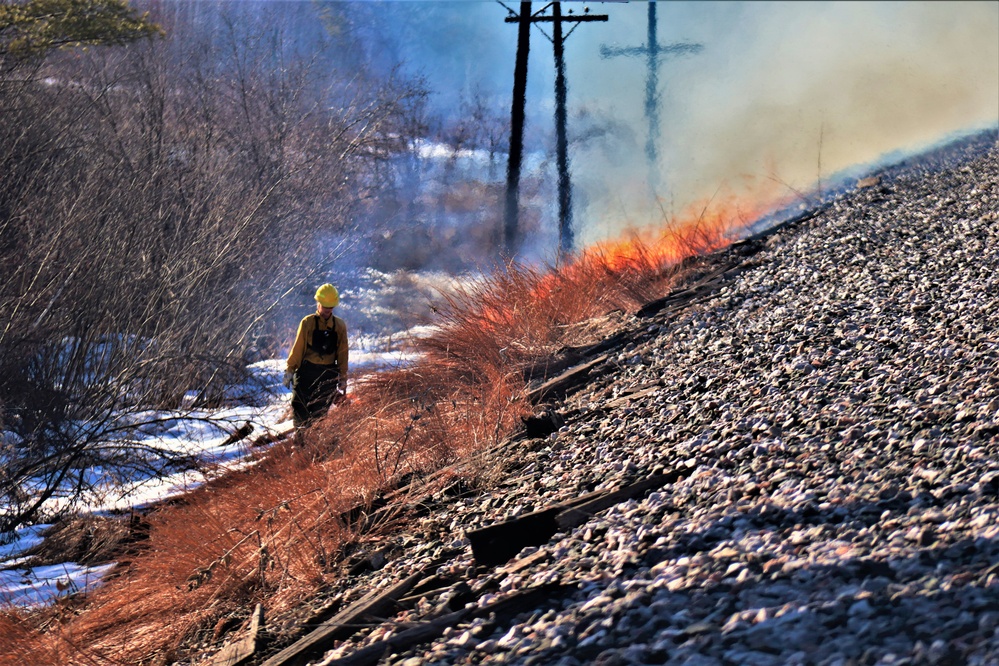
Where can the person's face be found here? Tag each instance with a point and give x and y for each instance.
(323, 311)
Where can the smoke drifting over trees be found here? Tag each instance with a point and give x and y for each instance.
(775, 84)
(157, 202)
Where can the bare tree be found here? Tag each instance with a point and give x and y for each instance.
(158, 203)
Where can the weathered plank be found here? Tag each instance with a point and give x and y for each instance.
(375, 603)
(636, 395)
(704, 285)
(580, 513)
(506, 606)
(498, 543)
(398, 493)
(788, 223)
(557, 387)
(238, 652)
(421, 633)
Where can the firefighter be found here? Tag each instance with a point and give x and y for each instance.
(317, 365)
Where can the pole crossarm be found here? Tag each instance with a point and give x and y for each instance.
(545, 18)
(680, 48)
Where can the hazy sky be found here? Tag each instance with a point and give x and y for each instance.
(773, 83)
(780, 94)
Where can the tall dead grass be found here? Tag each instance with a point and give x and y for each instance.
(275, 533)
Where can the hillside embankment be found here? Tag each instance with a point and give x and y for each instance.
(805, 454)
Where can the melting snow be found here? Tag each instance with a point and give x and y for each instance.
(198, 433)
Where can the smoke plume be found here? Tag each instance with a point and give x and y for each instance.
(781, 96)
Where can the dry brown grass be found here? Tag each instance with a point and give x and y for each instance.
(273, 533)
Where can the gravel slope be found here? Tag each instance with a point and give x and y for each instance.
(836, 407)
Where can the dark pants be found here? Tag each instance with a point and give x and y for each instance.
(313, 392)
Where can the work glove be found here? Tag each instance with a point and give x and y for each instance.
(341, 392)
(289, 379)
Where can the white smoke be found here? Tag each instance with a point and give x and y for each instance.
(783, 93)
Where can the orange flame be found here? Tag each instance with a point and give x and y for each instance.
(704, 227)
(593, 282)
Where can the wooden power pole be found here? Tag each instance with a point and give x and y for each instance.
(524, 21)
(511, 213)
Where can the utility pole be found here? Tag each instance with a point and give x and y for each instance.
(511, 212)
(565, 234)
(653, 51)
(525, 18)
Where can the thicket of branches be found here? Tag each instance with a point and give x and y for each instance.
(157, 200)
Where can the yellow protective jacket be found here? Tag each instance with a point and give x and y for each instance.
(302, 350)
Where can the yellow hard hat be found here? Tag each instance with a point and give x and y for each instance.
(327, 296)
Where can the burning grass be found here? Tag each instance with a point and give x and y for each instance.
(276, 532)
